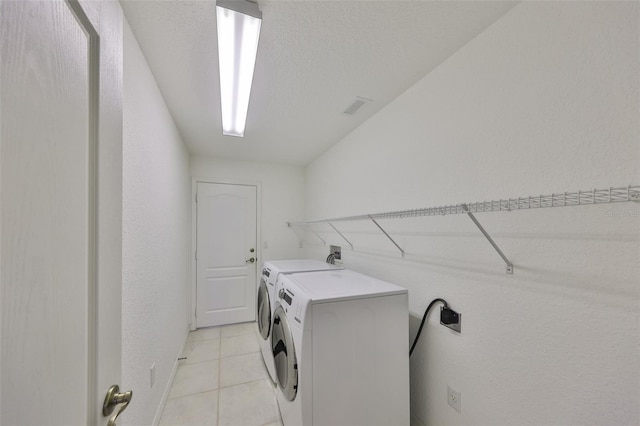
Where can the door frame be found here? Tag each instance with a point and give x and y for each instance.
(194, 233)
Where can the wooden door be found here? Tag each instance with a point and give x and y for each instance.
(226, 245)
(60, 209)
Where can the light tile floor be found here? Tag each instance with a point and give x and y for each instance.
(223, 381)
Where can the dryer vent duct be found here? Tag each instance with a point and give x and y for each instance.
(356, 105)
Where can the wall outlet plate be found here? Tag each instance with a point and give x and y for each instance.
(453, 398)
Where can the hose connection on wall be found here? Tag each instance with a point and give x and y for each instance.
(335, 254)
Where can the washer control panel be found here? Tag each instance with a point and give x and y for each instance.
(293, 306)
(287, 296)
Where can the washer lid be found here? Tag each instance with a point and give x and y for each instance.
(332, 286)
(278, 267)
(299, 265)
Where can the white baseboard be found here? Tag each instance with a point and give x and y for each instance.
(167, 389)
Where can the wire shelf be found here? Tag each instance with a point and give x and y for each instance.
(564, 199)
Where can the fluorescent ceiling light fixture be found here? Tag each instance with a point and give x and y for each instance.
(238, 33)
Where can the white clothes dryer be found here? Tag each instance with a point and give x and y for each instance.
(340, 341)
(266, 298)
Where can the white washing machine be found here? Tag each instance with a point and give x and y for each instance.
(266, 298)
(340, 341)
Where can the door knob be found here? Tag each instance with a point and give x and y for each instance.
(252, 250)
(250, 260)
(113, 398)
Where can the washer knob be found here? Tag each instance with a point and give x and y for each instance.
(281, 293)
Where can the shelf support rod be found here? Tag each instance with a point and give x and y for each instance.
(340, 233)
(301, 240)
(324, 243)
(488, 237)
(388, 236)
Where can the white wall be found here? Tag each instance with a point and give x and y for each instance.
(545, 100)
(282, 199)
(156, 239)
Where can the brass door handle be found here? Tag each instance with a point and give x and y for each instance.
(250, 260)
(113, 398)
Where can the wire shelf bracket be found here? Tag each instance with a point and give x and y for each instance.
(324, 243)
(301, 239)
(340, 233)
(493, 243)
(388, 236)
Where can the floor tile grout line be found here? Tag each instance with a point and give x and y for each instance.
(244, 383)
(242, 354)
(192, 394)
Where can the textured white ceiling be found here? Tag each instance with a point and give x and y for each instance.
(314, 59)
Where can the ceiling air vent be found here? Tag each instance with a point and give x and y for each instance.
(356, 105)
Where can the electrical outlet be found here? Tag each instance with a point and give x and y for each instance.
(450, 318)
(453, 397)
(152, 375)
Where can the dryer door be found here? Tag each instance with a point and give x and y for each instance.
(264, 310)
(284, 354)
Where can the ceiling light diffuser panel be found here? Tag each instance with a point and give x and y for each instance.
(238, 34)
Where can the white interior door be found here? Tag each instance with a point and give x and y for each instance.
(226, 254)
(60, 209)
